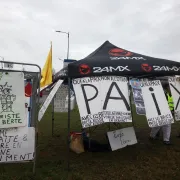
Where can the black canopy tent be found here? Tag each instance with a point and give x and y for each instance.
(109, 59)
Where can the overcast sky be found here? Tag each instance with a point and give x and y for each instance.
(149, 27)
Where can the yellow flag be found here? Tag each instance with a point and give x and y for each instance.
(46, 73)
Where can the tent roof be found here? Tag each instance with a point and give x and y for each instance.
(109, 59)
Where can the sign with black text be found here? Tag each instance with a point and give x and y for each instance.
(137, 95)
(12, 100)
(157, 109)
(174, 84)
(102, 99)
(121, 138)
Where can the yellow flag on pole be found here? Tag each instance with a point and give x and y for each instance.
(46, 74)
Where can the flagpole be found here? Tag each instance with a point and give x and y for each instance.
(52, 113)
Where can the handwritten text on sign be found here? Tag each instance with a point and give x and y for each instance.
(17, 144)
(174, 84)
(12, 99)
(121, 138)
(157, 109)
(102, 99)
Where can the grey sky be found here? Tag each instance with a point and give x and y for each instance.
(149, 27)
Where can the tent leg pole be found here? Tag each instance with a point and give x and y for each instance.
(130, 102)
(69, 120)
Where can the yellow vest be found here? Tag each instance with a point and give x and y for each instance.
(170, 102)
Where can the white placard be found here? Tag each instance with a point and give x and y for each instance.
(121, 138)
(157, 109)
(115, 99)
(102, 99)
(49, 99)
(17, 144)
(12, 100)
(174, 85)
(61, 99)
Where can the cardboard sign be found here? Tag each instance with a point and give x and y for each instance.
(137, 95)
(157, 109)
(121, 138)
(12, 100)
(174, 84)
(102, 99)
(49, 99)
(17, 144)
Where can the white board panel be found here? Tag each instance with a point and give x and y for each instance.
(87, 92)
(102, 99)
(17, 144)
(12, 100)
(121, 138)
(157, 109)
(174, 84)
(49, 99)
(115, 99)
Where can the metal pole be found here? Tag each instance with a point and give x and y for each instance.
(69, 120)
(53, 117)
(68, 47)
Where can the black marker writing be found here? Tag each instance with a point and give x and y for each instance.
(155, 101)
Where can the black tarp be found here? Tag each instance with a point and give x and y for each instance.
(109, 59)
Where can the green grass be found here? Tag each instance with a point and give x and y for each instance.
(145, 160)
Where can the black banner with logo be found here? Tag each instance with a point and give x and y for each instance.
(108, 59)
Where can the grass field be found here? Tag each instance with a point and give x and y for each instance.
(145, 160)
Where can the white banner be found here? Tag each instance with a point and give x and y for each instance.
(174, 84)
(17, 144)
(12, 100)
(102, 99)
(61, 99)
(157, 109)
(49, 99)
(121, 138)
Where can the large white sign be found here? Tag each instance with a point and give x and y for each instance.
(49, 99)
(17, 144)
(174, 84)
(157, 109)
(102, 99)
(12, 100)
(121, 138)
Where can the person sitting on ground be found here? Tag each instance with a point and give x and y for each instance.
(93, 145)
(166, 129)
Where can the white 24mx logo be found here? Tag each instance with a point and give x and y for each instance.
(166, 68)
(110, 69)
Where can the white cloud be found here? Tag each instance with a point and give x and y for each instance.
(149, 27)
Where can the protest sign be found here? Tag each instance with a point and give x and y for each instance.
(157, 109)
(102, 99)
(17, 144)
(137, 95)
(174, 84)
(12, 108)
(121, 138)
